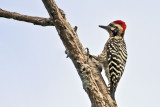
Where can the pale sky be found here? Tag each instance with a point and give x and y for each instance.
(34, 70)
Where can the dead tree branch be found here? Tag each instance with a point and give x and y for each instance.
(35, 20)
(87, 68)
(91, 77)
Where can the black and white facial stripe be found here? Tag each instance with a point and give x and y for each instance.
(115, 30)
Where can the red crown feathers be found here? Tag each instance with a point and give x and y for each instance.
(121, 23)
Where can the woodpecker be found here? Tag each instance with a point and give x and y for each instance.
(114, 55)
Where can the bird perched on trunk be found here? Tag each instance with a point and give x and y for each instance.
(114, 55)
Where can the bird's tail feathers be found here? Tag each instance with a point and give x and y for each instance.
(112, 90)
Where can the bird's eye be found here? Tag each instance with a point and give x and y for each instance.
(116, 27)
(111, 25)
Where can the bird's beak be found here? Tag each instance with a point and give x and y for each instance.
(105, 27)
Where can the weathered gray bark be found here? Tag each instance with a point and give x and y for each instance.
(30, 19)
(87, 67)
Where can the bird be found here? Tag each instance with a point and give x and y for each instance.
(114, 55)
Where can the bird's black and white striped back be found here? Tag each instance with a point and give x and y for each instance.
(117, 56)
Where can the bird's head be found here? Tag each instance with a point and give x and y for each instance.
(116, 28)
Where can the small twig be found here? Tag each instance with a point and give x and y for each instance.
(35, 20)
(67, 52)
(75, 28)
(87, 51)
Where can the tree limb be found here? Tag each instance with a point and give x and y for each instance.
(35, 20)
(87, 67)
(91, 77)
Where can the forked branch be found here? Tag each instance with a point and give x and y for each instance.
(87, 67)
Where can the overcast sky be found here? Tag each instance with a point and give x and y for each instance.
(34, 70)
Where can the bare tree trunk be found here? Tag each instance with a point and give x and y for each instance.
(87, 68)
